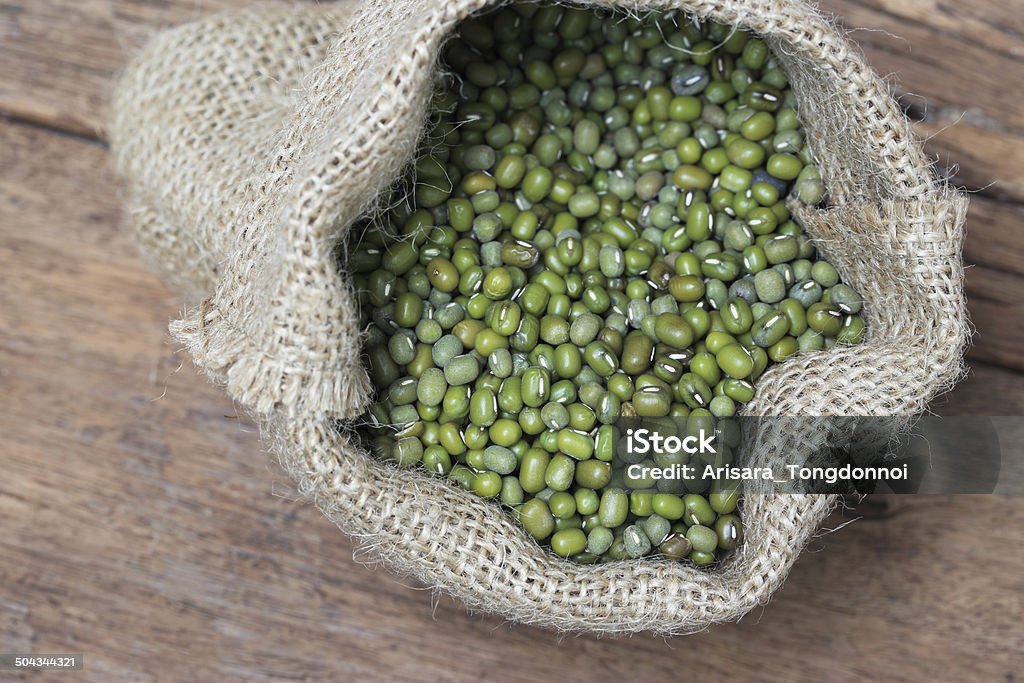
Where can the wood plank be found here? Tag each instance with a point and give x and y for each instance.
(994, 235)
(987, 390)
(58, 58)
(996, 25)
(145, 529)
(998, 317)
(995, 281)
(984, 161)
(966, 56)
(960, 67)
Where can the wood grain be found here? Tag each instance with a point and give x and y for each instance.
(997, 314)
(959, 67)
(147, 524)
(58, 57)
(973, 117)
(144, 527)
(985, 161)
(987, 390)
(931, 46)
(994, 235)
(995, 280)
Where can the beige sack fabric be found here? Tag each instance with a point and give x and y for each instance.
(250, 142)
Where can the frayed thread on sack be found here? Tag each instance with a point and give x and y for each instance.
(262, 383)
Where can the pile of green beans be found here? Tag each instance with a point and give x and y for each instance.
(596, 227)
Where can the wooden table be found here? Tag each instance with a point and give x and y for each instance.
(142, 526)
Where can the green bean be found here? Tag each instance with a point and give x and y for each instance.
(575, 444)
(600, 358)
(636, 541)
(505, 431)
(593, 474)
(770, 286)
(587, 502)
(599, 540)
(568, 542)
(641, 503)
(656, 528)
(673, 330)
(824, 319)
(735, 361)
(431, 387)
(614, 508)
(560, 472)
(784, 166)
(461, 370)
(499, 459)
(405, 452)
(402, 347)
(669, 506)
(730, 532)
(702, 538)
(852, 331)
(824, 274)
(599, 227)
(845, 298)
(536, 518)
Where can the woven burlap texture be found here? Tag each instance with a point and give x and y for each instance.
(249, 142)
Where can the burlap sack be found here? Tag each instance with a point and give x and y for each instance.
(249, 142)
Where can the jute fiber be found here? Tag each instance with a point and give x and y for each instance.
(250, 142)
